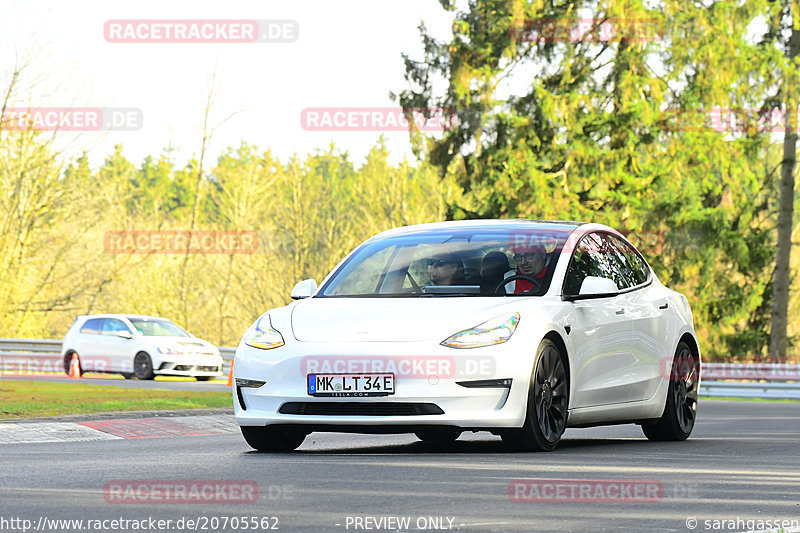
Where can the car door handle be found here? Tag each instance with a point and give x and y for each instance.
(666, 304)
(621, 311)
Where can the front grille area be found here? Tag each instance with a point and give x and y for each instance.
(188, 368)
(360, 409)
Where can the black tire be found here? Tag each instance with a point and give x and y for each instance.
(268, 439)
(128, 375)
(68, 362)
(143, 366)
(438, 435)
(680, 411)
(203, 378)
(548, 399)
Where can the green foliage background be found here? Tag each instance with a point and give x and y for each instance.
(307, 214)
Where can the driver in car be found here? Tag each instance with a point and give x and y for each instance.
(446, 269)
(532, 262)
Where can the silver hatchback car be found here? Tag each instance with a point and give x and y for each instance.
(140, 346)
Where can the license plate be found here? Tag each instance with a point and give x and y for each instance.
(344, 385)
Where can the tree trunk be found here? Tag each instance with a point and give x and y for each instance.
(778, 341)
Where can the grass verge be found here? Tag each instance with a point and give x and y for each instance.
(30, 399)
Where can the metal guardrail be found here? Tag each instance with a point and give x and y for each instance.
(736, 380)
(740, 389)
(45, 355)
(47, 346)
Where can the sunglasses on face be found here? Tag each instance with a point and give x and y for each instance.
(438, 262)
(527, 257)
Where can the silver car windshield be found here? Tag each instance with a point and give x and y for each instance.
(481, 262)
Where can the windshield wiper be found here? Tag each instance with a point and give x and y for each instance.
(452, 289)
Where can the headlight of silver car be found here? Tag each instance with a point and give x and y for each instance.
(263, 336)
(495, 331)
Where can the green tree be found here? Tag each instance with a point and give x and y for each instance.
(556, 118)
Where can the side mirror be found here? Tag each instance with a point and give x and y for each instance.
(593, 285)
(304, 289)
(124, 334)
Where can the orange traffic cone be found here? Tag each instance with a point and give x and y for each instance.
(75, 367)
(230, 376)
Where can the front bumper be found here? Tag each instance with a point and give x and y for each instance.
(190, 365)
(430, 376)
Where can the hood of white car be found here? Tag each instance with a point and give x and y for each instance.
(391, 319)
(187, 344)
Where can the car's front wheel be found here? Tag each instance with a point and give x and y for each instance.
(548, 394)
(143, 366)
(677, 421)
(203, 378)
(269, 439)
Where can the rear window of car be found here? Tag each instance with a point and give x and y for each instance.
(93, 326)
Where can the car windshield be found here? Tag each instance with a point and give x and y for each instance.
(158, 328)
(462, 262)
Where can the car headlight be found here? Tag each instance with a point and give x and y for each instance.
(263, 336)
(495, 331)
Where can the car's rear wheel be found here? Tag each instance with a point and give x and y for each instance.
(438, 435)
(680, 411)
(269, 439)
(548, 394)
(128, 375)
(203, 378)
(143, 366)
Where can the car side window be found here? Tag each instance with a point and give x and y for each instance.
(637, 269)
(601, 255)
(623, 274)
(586, 261)
(93, 326)
(112, 325)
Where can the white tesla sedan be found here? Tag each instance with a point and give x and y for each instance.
(518, 327)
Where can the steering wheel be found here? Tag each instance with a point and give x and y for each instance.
(515, 277)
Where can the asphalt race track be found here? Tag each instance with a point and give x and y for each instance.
(742, 463)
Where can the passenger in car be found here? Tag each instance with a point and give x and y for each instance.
(493, 267)
(446, 269)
